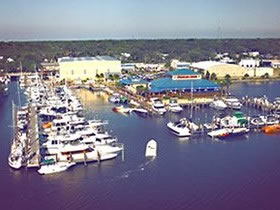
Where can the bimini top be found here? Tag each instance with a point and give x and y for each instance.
(182, 72)
(167, 84)
(96, 58)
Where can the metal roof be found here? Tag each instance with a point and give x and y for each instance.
(130, 81)
(182, 72)
(167, 84)
(96, 58)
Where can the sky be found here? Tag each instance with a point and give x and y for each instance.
(138, 19)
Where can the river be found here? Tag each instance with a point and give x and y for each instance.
(196, 173)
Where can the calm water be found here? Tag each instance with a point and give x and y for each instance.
(187, 174)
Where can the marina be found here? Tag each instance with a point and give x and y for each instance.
(172, 150)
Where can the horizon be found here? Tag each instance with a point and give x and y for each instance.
(125, 19)
(136, 39)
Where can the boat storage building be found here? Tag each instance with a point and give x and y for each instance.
(81, 68)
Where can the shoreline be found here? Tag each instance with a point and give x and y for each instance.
(255, 80)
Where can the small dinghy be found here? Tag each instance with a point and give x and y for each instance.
(151, 148)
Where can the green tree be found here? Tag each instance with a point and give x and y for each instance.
(227, 81)
(246, 76)
(207, 75)
(213, 76)
(116, 77)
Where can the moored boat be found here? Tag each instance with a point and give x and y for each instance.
(180, 128)
(270, 129)
(227, 132)
(55, 167)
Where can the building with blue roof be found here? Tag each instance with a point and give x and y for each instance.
(131, 83)
(182, 80)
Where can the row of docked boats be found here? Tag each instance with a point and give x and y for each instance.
(159, 107)
(66, 136)
(18, 156)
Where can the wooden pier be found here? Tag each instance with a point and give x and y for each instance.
(33, 145)
(261, 103)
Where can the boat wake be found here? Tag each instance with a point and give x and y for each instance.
(128, 173)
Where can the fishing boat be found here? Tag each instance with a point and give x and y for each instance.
(270, 129)
(55, 167)
(173, 106)
(227, 132)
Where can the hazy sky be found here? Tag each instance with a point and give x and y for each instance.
(105, 19)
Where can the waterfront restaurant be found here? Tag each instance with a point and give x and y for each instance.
(183, 82)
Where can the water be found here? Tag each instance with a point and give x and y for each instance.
(197, 173)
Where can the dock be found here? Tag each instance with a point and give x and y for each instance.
(33, 145)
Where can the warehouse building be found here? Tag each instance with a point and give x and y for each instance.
(220, 69)
(81, 68)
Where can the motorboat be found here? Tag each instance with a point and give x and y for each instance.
(180, 128)
(151, 148)
(238, 119)
(158, 106)
(218, 104)
(264, 120)
(139, 110)
(55, 167)
(233, 103)
(270, 129)
(227, 132)
(122, 109)
(257, 121)
(173, 106)
(115, 98)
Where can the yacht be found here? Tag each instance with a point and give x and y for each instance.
(55, 167)
(180, 128)
(16, 157)
(158, 106)
(233, 103)
(218, 104)
(173, 106)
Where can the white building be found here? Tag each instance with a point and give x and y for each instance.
(260, 72)
(176, 64)
(80, 68)
(250, 63)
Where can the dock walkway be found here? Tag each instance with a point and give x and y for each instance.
(33, 145)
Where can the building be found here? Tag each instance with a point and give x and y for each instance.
(49, 68)
(132, 83)
(176, 64)
(250, 63)
(219, 69)
(184, 81)
(128, 67)
(81, 68)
